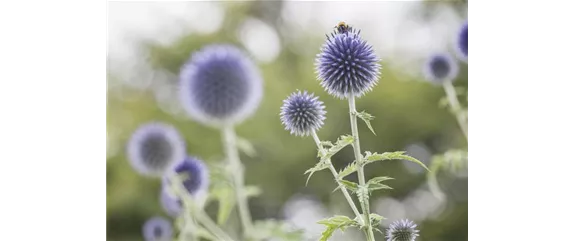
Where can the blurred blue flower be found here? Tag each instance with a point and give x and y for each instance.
(220, 85)
(302, 113)
(157, 229)
(196, 177)
(440, 68)
(402, 230)
(155, 148)
(462, 42)
(170, 204)
(346, 64)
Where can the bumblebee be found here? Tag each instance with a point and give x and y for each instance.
(342, 27)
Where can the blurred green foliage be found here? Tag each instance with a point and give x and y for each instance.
(406, 111)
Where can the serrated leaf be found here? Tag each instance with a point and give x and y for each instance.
(348, 185)
(379, 179)
(398, 155)
(327, 143)
(246, 147)
(334, 223)
(376, 219)
(341, 143)
(321, 165)
(367, 118)
(348, 170)
(377, 186)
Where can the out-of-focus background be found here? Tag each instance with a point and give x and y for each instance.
(148, 42)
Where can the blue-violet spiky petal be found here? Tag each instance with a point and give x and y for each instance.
(220, 85)
(402, 230)
(440, 68)
(302, 113)
(347, 64)
(155, 148)
(157, 229)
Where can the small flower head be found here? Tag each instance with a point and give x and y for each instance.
(440, 68)
(302, 113)
(220, 85)
(402, 230)
(170, 204)
(462, 42)
(196, 176)
(155, 148)
(157, 229)
(347, 63)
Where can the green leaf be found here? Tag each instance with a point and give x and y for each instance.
(246, 147)
(341, 143)
(373, 157)
(377, 186)
(375, 183)
(252, 191)
(334, 223)
(226, 200)
(367, 118)
(348, 170)
(348, 184)
(321, 165)
(376, 219)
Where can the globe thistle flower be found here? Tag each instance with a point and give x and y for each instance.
(170, 204)
(462, 42)
(154, 148)
(157, 229)
(220, 85)
(302, 113)
(402, 230)
(440, 68)
(196, 176)
(347, 63)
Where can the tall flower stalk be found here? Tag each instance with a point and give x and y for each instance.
(360, 167)
(237, 175)
(347, 67)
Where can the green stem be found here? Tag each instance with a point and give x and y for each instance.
(455, 107)
(237, 173)
(335, 175)
(360, 167)
(197, 213)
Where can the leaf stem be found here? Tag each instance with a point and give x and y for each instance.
(360, 167)
(237, 175)
(455, 107)
(335, 175)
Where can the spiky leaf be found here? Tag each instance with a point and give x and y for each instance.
(347, 184)
(334, 223)
(348, 170)
(398, 155)
(367, 118)
(362, 193)
(341, 143)
(376, 219)
(321, 165)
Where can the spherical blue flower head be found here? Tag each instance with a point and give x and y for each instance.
(302, 113)
(346, 64)
(220, 85)
(170, 204)
(440, 68)
(155, 148)
(462, 42)
(402, 230)
(157, 229)
(196, 174)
